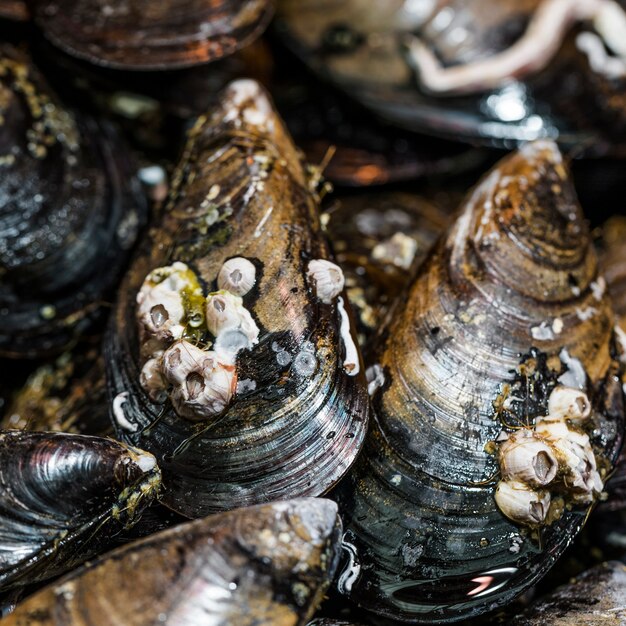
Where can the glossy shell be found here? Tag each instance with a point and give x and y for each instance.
(297, 418)
(262, 565)
(62, 499)
(70, 212)
(403, 61)
(463, 362)
(139, 34)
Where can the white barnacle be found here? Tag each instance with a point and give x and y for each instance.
(152, 381)
(527, 458)
(327, 278)
(225, 312)
(202, 385)
(521, 503)
(575, 456)
(569, 403)
(161, 304)
(237, 276)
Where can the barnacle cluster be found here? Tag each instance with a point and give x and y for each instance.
(173, 316)
(552, 457)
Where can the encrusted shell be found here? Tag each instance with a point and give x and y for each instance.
(491, 326)
(296, 418)
(70, 214)
(269, 564)
(63, 498)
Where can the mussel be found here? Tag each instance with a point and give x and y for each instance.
(499, 412)
(231, 355)
(69, 213)
(595, 598)
(62, 499)
(485, 71)
(139, 34)
(268, 564)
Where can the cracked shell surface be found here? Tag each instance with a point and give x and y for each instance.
(297, 419)
(266, 564)
(461, 365)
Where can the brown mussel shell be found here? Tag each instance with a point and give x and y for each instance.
(63, 498)
(298, 416)
(69, 214)
(507, 306)
(595, 598)
(369, 51)
(379, 240)
(268, 564)
(144, 35)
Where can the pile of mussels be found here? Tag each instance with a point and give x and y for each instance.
(349, 353)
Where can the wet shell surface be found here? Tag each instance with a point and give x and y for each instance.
(70, 212)
(144, 35)
(507, 309)
(63, 498)
(268, 564)
(242, 398)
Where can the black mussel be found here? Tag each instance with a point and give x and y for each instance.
(268, 564)
(379, 240)
(145, 35)
(62, 499)
(69, 213)
(499, 412)
(595, 598)
(497, 71)
(231, 355)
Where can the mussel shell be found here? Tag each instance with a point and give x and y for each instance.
(428, 543)
(268, 564)
(139, 34)
(595, 598)
(62, 499)
(290, 433)
(362, 48)
(368, 233)
(70, 213)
